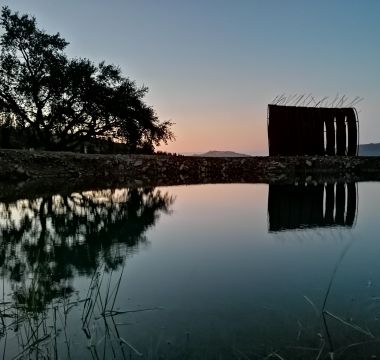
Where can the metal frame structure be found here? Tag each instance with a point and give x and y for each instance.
(303, 130)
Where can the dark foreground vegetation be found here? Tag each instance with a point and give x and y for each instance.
(49, 101)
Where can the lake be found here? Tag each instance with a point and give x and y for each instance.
(214, 271)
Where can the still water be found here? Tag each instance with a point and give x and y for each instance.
(219, 271)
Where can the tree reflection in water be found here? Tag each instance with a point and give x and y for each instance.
(47, 241)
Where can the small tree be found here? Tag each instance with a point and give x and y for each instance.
(61, 102)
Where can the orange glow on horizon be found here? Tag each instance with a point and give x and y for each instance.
(202, 136)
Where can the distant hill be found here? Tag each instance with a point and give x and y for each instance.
(215, 153)
(372, 149)
(369, 149)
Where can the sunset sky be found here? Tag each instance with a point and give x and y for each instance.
(212, 66)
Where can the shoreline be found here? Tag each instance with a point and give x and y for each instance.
(24, 172)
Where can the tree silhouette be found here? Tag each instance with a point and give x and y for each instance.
(60, 102)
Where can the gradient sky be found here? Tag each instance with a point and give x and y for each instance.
(212, 66)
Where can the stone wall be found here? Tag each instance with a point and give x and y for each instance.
(22, 169)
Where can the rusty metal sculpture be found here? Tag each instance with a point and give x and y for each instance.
(303, 130)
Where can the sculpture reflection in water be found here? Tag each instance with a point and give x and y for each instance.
(303, 206)
(46, 242)
(308, 206)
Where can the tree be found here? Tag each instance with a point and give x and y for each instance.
(61, 102)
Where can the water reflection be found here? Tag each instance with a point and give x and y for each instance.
(47, 241)
(69, 293)
(302, 206)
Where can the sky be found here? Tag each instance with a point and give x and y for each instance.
(212, 66)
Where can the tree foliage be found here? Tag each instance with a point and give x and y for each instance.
(61, 102)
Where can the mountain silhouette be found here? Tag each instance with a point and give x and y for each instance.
(215, 153)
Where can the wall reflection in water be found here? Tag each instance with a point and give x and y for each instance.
(307, 206)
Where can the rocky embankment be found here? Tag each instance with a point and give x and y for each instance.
(25, 171)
